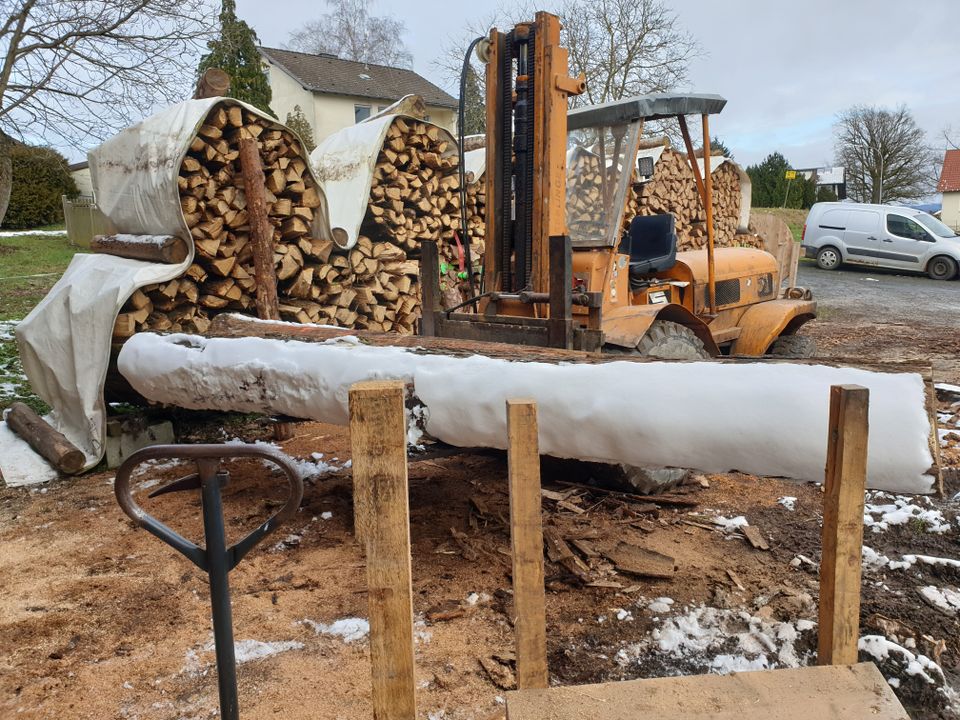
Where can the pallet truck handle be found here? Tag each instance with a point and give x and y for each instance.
(208, 459)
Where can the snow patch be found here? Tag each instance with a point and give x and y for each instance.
(789, 502)
(731, 524)
(25, 233)
(248, 650)
(722, 640)
(347, 629)
(883, 510)
(305, 468)
(944, 598)
(882, 649)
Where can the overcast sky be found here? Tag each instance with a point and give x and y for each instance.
(786, 68)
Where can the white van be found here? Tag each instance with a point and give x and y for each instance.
(882, 236)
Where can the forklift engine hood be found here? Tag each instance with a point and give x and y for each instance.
(743, 276)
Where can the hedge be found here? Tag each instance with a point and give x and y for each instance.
(40, 177)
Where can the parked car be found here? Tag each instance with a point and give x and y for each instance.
(882, 236)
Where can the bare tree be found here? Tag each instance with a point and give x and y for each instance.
(885, 154)
(73, 72)
(349, 31)
(625, 47)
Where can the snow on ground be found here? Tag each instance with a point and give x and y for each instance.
(882, 510)
(945, 599)
(907, 662)
(874, 560)
(730, 524)
(306, 468)
(244, 651)
(789, 502)
(347, 629)
(717, 640)
(22, 233)
(7, 329)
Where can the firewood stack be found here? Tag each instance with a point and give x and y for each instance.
(213, 202)
(415, 196)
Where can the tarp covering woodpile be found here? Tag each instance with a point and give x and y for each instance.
(173, 174)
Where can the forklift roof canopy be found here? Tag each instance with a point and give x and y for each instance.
(644, 107)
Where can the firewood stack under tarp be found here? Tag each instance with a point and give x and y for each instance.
(214, 205)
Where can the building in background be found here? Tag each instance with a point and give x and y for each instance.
(335, 93)
(833, 178)
(80, 171)
(949, 185)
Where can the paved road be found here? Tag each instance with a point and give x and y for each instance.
(882, 296)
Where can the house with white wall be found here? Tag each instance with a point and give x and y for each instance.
(949, 185)
(334, 93)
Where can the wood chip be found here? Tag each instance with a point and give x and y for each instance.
(636, 560)
(499, 675)
(755, 537)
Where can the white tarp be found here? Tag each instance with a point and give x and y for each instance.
(760, 418)
(65, 340)
(344, 163)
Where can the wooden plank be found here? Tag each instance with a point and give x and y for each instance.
(378, 440)
(49, 443)
(843, 499)
(261, 231)
(429, 287)
(526, 537)
(561, 285)
(857, 692)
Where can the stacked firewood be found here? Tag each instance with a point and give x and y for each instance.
(373, 285)
(672, 189)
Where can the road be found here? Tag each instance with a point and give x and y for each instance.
(882, 295)
(881, 315)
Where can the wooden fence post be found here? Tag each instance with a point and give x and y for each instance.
(526, 537)
(378, 438)
(843, 500)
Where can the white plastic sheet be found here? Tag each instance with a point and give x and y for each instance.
(65, 340)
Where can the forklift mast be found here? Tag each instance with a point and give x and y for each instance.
(527, 90)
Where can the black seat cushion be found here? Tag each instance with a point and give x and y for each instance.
(651, 244)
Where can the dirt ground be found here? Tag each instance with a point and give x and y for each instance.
(99, 620)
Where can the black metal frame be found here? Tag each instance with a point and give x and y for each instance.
(558, 330)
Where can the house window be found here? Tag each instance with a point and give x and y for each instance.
(360, 112)
(381, 108)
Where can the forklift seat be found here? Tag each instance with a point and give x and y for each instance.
(652, 244)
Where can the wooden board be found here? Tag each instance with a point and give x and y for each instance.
(843, 499)
(526, 537)
(378, 436)
(840, 692)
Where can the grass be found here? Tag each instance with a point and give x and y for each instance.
(29, 267)
(793, 218)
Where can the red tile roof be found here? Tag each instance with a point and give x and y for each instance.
(950, 175)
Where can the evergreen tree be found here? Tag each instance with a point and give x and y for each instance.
(474, 111)
(769, 181)
(40, 178)
(298, 122)
(235, 52)
(718, 147)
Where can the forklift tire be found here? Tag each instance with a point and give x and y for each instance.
(793, 346)
(672, 341)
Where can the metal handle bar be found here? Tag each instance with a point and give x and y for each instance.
(208, 459)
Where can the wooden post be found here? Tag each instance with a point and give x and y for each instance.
(378, 439)
(526, 537)
(52, 445)
(261, 232)
(429, 287)
(843, 499)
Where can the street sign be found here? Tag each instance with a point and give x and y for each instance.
(791, 175)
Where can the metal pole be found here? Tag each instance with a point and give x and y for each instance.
(217, 569)
(708, 196)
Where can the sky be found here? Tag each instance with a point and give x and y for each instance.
(785, 68)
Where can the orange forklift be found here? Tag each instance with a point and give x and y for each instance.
(587, 284)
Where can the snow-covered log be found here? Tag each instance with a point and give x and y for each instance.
(760, 418)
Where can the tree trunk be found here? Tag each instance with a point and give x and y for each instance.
(6, 176)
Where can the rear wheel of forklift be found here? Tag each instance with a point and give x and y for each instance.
(794, 346)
